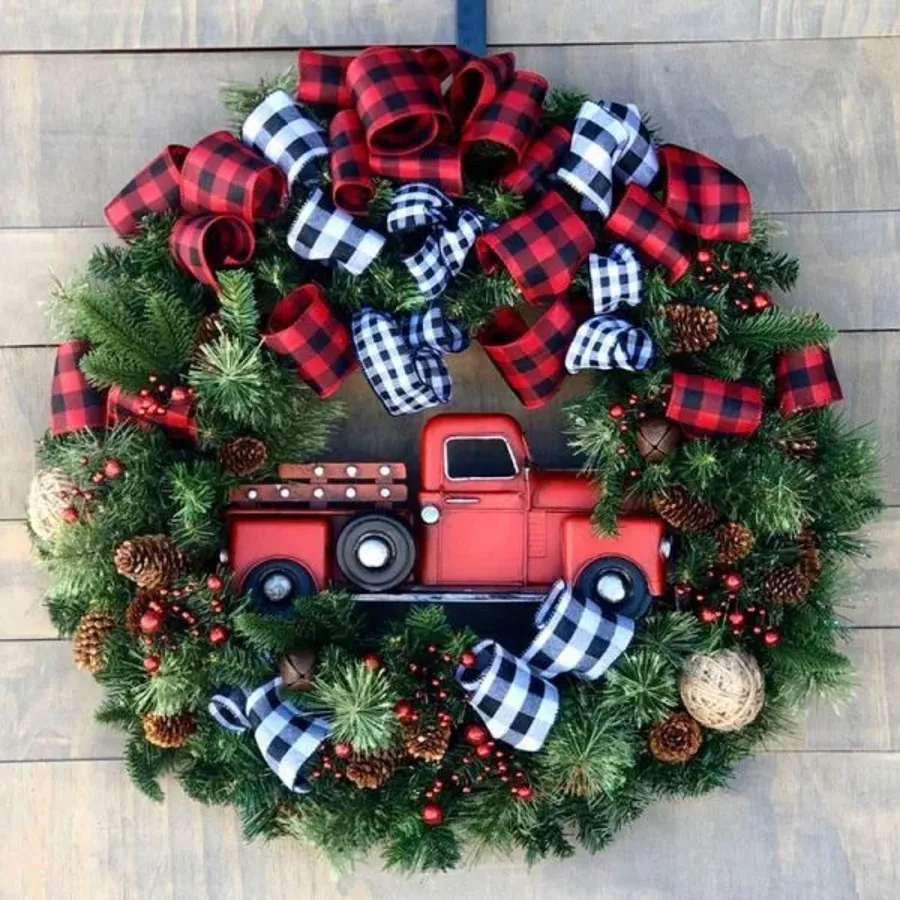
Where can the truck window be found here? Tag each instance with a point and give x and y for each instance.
(479, 457)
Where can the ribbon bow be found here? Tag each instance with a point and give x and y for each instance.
(805, 379)
(74, 402)
(419, 207)
(175, 416)
(286, 737)
(403, 359)
(608, 342)
(702, 404)
(513, 696)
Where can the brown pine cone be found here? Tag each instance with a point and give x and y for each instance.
(372, 771)
(735, 541)
(168, 732)
(427, 742)
(90, 637)
(693, 327)
(802, 448)
(150, 560)
(682, 511)
(809, 558)
(243, 456)
(208, 329)
(675, 739)
(786, 585)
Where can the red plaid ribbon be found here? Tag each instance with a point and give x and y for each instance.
(399, 102)
(351, 174)
(641, 220)
(74, 404)
(476, 86)
(222, 176)
(155, 189)
(532, 361)
(442, 62)
(806, 379)
(439, 164)
(323, 79)
(304, 327)
(543, 157)
(706, 405)
(201, 245)
(176, 418)
(704, 197)
(542, 248)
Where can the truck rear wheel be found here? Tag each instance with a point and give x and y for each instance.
(617, 585)
(273, 586)
(376, 552)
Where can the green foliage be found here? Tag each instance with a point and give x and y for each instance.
(241, 99)
(561, 105)
(643, 688)
(775, 330)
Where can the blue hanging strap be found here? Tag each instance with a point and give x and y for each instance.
(471, 26)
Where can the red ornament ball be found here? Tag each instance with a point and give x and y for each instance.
(476, 735)
(467, 658)
(703, 257)
(524, 792)
(736, 619)
(732, 581)
(483, 751)
(150, 622)
(151, 663)
(372, 661)
(432, 814)
(761, 301)
(616, 411)
(342, 750)
(214, 583)
(112, 468)
(403, 709)
(69, 515)
(218, 634)
(771, 638)
(178, 395)
(708, 615)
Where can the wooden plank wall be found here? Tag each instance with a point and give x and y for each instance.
(800, 96)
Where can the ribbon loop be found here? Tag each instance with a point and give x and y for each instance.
(542, 158)
(805, 379)
(615, 279)
(707, 405)
(322, 79)
(176, 417)
(202, 245)
(351, 174)
(286, 137)
(476, 86)
(74, 402)
(607, 342)
(323, 233)
(439, 165)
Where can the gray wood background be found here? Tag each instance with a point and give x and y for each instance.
(800, 96)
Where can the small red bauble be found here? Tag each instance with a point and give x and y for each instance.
(467, 658)
(682, 589)
(112, 468)
(151, 664)
(708, 615)
(476, 734)
(524, 791)
(84, 460)
(372, 661)
(732, 581)
(761, 301)
(771, 638)
(432, 814)
(703, 256)
(150, 622)
(483, 751)
(69, 515)
(218, 634)
(342, 750)
(616, 411)
(98, 477)
(214, 583)
(403, 709)
(736, 619)
(179, 394)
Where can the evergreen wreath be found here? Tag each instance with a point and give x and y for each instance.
(180, 378)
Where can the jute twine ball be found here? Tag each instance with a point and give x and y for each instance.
(50, 493)
(724, 690)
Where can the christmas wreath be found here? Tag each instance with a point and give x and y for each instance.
(379, 212)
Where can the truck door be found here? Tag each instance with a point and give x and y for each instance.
(483, 510)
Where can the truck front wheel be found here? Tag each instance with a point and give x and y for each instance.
(617, 585)
(273, 586)
(376, 552)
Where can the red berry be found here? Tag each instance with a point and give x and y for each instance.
(151, 663)
(703, 256)
(178, 395)
(150, 622)
(98, 477)
(69, 515)
(214, 583)
(616, 411)
(432, 814)
(771, 638)
(761, 301)
(372, 661)
(403, 709)
(342, 750)
(467, 658)
(84, 460)
(524, 792)
(707, 615)
(736, 619)
(475, 734)
(112, 468)
(218, 634)
(732, 581)
(682, 589)
(483, 751)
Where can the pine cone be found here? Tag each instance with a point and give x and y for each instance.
(427, 742)
(135, 609)
(693, 327)
(372, 771)
(243, 455)
(151, 560)
(802, 448)
(168, 732)
(90, 636)
(675, 739)
(786, 585)
(809, 559)
(208, 329)
(682, 511)
(735, 541)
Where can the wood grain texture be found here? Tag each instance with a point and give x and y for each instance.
(777, 124)
(163, 24)
(23, 587)
(850, 270)
(807, 826)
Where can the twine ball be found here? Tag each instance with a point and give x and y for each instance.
(724, 690)
(50, 493)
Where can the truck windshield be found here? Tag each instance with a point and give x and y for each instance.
(471, 458)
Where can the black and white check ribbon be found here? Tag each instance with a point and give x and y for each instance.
(607, 342)
(615, 279)
(418, 206)
(323, 233)
(402, 359)
(286, 737)
(609, 141)
(574, 636)
(286, 137)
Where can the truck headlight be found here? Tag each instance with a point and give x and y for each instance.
(430, 514)
(665, 547)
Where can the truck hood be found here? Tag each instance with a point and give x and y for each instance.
(568, 491)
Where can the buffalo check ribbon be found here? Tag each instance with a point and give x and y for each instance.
(449, 235)
(615, 279)
(201, 245)
(439, 165)
(176, 417)
(608, 342)
(286, 137)
(532, 361)
(351, 174)
(323, 79)
(403, 359)
(541, 248)
(805, 379)
(74, 402)
(323, 233)
(541, 160)
(706, 405)
(477, 85)
(304, 327)
(287, 737)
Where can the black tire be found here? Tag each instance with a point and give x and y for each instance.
(392, 537)
(637, 599)
(299, 583)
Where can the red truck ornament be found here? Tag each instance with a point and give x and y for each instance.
(487, 523)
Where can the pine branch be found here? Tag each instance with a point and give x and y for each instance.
(238, 311)
(775, 330)
(241, 99)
